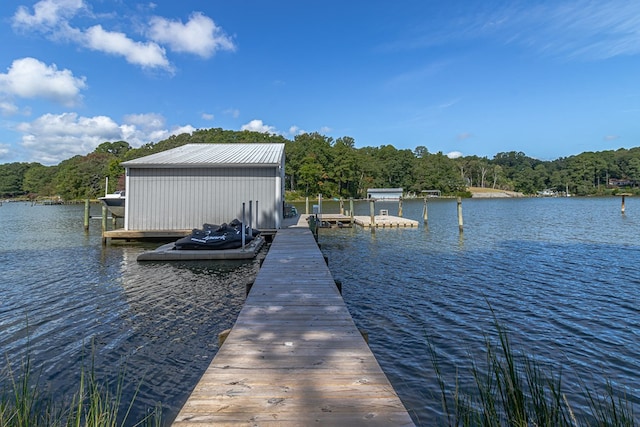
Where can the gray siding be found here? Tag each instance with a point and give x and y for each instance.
(185, 198)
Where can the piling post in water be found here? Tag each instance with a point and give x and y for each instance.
(351, 209)
(320, 205)
(306, 206)
(622, 207)
(400, 207)
(425, 213)
(460, 224)
(372, 212)
(86, 215)
(341, 206)
(104, 219)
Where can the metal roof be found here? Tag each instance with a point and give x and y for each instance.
(213, 155)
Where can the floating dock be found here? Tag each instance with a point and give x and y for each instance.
(168, 253)
(379, 221)
(294, 356)
(385, 221)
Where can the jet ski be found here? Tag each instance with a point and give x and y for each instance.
(216, 237)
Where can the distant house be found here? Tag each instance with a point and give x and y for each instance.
(188, 186)
(621, 182)
(384, 193)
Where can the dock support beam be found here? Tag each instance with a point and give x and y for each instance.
(460, 223)
(86, 215)
(372, 212)
(425, 213)
(351, 214)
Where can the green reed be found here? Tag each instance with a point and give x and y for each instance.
(514, 390)
(94, 404)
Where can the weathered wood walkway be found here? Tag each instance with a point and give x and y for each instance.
(294, 356)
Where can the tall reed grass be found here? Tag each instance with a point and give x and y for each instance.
(94, 404)
(512, 389)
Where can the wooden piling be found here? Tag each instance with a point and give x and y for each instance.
(104, 218)
(351, 214)
(306, 206)
(341, 206)
(425, 214)
(460, 224)
(87, 205)
(372, 213)
(622, 207)
(400, 207)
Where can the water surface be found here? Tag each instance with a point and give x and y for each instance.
(560, 274)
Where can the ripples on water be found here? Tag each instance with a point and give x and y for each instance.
(560, 274)
(70, 302)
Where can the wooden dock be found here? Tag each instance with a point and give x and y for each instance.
(294, 356)
(379, 221)
(385, 221)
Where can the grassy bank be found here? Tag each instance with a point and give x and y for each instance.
(512, 389)
(94, 404)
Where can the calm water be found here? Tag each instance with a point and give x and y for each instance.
(561, 274)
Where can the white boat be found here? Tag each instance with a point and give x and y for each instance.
(115, 203)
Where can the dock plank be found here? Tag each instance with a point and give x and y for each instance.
(294, 356)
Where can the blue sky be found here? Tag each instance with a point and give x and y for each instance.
(548, 78)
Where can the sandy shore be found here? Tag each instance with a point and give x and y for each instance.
(487, 193)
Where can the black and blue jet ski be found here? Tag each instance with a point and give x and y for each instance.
(215, 237)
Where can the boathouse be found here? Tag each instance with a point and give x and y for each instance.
(187, 186)
(384, 193)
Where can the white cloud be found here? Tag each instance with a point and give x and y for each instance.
(233, 112)
(258, 126)
(207, 116)
(53, 18)
(199, 35)
(454, 154)
(30, 78)
(4, 150)
(52, 138)
(140, 129)
(8, 108)
(146, 55)
(47, 14)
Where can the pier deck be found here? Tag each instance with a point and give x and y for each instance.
(294, 356)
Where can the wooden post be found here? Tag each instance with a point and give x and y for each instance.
(460, 225)
(372, 212)
(86, 215)
(104, 219)
(306, 206)
(400, 207)
(622, 207)
(320, 204)
(351, 209)
(104, 225)
(341, 206)
(425, 214)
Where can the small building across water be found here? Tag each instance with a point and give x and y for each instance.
(384, 193)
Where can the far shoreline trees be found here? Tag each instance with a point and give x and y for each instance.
(336, 168)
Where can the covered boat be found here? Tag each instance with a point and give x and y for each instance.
(115, 203)
(216, 237)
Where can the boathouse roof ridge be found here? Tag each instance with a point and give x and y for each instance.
(213, 155)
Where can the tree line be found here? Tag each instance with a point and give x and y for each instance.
(336, 168)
